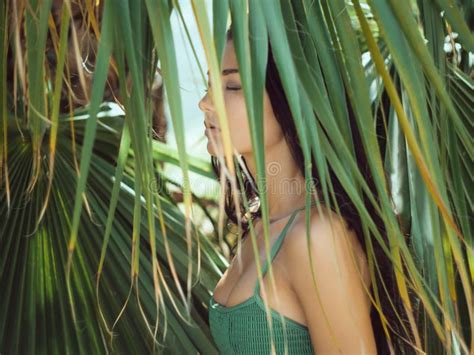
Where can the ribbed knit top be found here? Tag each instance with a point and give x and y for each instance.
(243, 328)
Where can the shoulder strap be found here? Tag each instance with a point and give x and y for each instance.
(276, 247)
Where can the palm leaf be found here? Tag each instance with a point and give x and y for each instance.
(134, 273)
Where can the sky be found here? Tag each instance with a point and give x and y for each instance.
(192, 90)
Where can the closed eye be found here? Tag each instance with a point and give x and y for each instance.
(228, 88)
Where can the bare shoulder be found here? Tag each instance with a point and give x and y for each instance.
(327, 270)
(329, 234)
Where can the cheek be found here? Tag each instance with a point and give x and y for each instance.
(239, 127)
(272, 129)
(238, 122)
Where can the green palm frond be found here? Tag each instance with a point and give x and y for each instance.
(34, 259)
(96, 255)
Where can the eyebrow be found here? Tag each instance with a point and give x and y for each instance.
(227, 71)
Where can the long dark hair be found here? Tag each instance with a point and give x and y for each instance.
(390, 300)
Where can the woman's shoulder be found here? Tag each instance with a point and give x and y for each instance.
(328, 286)
(330, 239)
(322, 221)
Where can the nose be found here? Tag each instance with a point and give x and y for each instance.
(205, 104)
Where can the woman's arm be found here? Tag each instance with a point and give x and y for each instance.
(339, 319)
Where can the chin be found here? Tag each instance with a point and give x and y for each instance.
(211, 149)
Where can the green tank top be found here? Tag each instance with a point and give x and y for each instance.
(243, 328)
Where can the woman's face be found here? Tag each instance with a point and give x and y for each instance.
(235, 107)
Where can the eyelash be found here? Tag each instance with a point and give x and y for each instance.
(228, 88)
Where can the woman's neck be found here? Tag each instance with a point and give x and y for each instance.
(285, 183)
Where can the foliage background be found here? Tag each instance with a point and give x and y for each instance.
(101, 245)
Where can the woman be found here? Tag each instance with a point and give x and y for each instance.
(334, 317)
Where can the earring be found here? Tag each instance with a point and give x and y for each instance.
(254, 206)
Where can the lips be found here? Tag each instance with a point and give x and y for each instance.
(210, 125)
